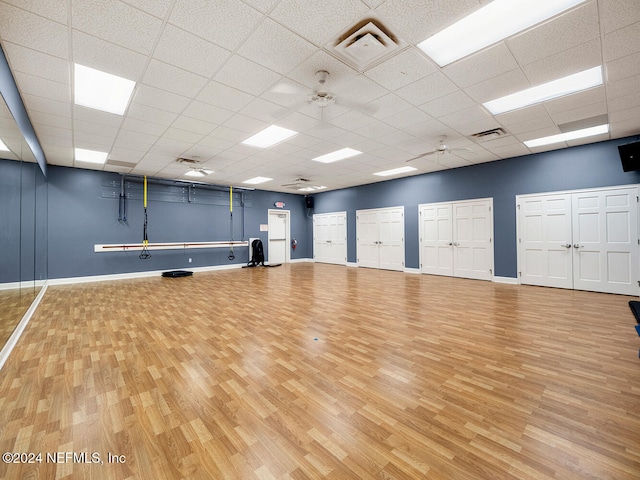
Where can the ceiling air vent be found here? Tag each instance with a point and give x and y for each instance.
(367, 43)
(490, 134)
(188, 161)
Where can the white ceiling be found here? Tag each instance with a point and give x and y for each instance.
(205, 71)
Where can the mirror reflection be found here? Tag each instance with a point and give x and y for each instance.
(22, 226)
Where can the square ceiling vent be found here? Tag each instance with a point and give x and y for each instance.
(366, 44)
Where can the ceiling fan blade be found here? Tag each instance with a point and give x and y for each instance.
(422, 156)
(361, 107)
(289, 89)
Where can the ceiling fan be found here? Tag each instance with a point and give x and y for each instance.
(304, 185)
(441, 150)
(320, 96)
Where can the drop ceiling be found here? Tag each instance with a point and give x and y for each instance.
(209, 74)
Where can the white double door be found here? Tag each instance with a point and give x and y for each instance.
(330, 238)
(585, 240)
(456, 239)
(380, 238)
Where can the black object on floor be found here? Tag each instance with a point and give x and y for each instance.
(257, 255)
(635, 308)
(177, 274)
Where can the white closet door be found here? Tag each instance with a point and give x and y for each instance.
(367, 238)
(605, 243)
(391, 239)
(545, 242)
(436, 241)
(472, 239)
(330, 238)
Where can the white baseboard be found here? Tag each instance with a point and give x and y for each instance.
(125, 276)
(15, 336)
(352, 264)
(24, 284)
(300, 260)
(509, 280)
(412, 270)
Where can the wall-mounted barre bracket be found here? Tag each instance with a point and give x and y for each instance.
(132, 247)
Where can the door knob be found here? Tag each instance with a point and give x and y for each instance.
(567, 245)
(575, 245)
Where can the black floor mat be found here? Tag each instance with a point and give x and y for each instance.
(177, 274)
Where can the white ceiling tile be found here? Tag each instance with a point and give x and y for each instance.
(193, 125)
(59, 133)
(55, 10)
(431, 130)
(160, 118)
(622, 103)
(81, 126)
(55, 140)
(135, 140)
(58, 155)
(522, 115)
(427, 89)
(99, 117)
(157, 8)
(108, 57)
(319, 22)
(388, 105)
(245, 124)
(624, 128)
(402, 69)
(298, 122)
(510, 151)
(453, 102)
(230, 134)
(486, 64)
(173, 79)
(531, 125)
(262, 5)
(41, 86)
(246, 75)
(201, 153)
(216, 143)
(621, 43)
(566, 62)
(269, 42)
(33, 31)
(160, 99)
(136, 125)
(116, 22)
(561, 33)
(225, 23)
(207, 113)
(305, 73)
(617, 14)
(46, 105)
(499, 86)
(416, 20)
(626, 115)
(48, 119)
(186, 136)
(351, 119)
(37, 63)
(466, 116)
(626, 86)
(407, 118)
(194, 54)
(358, 89)
(577, 100)
(266, 111)
(91, 141)
(125, 155)
(624, 67)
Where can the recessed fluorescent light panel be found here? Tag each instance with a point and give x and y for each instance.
(3, 147)
(488, 25)
(312, 188)
(101, 90)
(90, 156)
(337, 155)
(269, 137)
(257, 180)
(563, 137)
(395, 171)
(547, 91)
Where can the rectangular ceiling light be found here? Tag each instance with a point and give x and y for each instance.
(488, 25)
(90, 156)
(200, 172)
(257, 180)
(3, 147)
(101, 90)
(563, 137)
(269, 137)
(395, 171)
(547, 91)
(337, 155)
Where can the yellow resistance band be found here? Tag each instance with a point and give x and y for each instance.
(145, 191)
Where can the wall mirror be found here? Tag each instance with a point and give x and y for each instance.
(23, 224)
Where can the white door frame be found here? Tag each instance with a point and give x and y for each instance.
(274, 211)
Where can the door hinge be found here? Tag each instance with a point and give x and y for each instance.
(491, 271)
(489, 208)
(519, 274)
(518, 205)
(519, 240)
(489, 240)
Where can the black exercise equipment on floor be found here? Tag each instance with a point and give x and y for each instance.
(177, 274)
(635, 308)
(257, 255)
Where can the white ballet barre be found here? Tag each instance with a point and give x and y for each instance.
(132, 247)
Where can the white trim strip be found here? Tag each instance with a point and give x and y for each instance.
(15, 336)
(509, 280)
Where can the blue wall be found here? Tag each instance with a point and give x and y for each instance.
(83, 211)
(594, 165)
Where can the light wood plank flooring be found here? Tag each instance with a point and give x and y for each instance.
(318, 371)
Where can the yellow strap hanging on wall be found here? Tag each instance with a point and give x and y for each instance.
(145, 191)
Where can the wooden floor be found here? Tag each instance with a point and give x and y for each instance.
(320, 371)
(13, 305)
